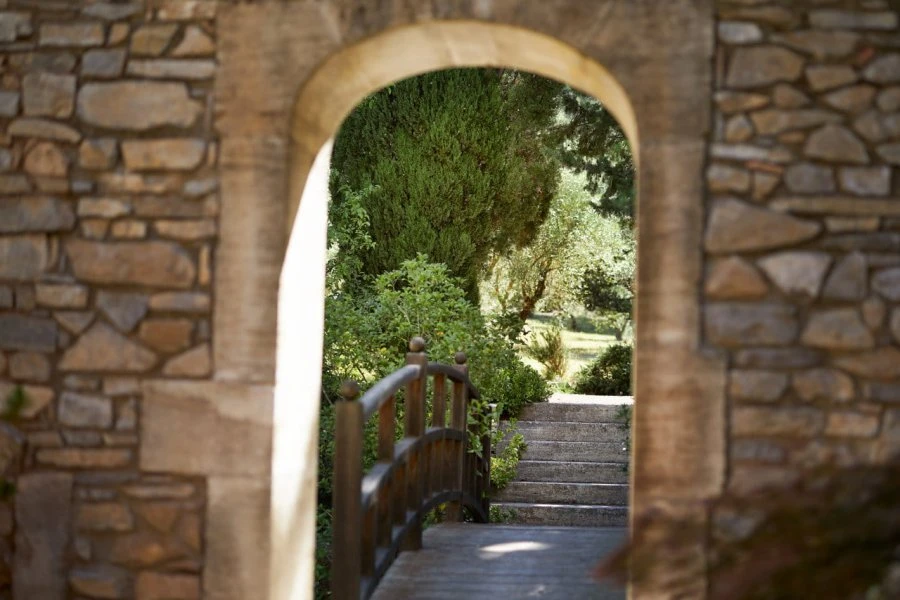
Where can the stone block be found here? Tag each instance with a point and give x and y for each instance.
(43, 504)
(105, 208)
(797, 272)
(123, 309)
(736, 226)
(189, 230)
(14, 25)
(190, 428)
(102, 348)
(796, 421)
(733, 278)
(746, 324)
(834, 143)
(137, 105)
(98, 153)
(884, 69)
(820, 44)
(101, 581)
(82, 410)
(827, 77)
(162, 68)
(74, 34)
(837, 329)
(48, 95)
(167, 586)
(22, 332)
(61, 295)
(152, 263)
(823, 384)
(187, 302)
(194, 43)
(196, 362)
(881, 363)
(29, 366)
(756, 385)
(35, 213)
(166, 334)
(808, 178)
(851, 424)
(887, 283)
(179, 154)
(152, 40)
(759, 66)
(85, 458)
(852, 19)
(866, 181)
(103, 64)
(104, 516)
(43, 128)
(9, 103)
(46, 159)
(852, 99)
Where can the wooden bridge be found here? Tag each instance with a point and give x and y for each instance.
(379, 549)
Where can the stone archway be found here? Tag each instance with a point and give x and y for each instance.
(291, 68)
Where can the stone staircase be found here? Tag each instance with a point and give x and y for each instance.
(574, 471)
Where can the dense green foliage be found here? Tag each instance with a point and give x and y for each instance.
(504, 462)
(608, 375)
(452, 164)
(366, 336)
(593, 143)
(547, 274)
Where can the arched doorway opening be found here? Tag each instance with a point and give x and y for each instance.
(679, 447)
(330, 95)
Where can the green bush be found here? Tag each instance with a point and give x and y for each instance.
(608, 375)
(505, 462)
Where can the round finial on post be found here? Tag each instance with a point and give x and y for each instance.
(417, 344)
(460, 358)
(349, 390)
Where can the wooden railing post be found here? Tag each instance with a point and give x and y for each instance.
(414, 426)
(458, 420)
(346, 542)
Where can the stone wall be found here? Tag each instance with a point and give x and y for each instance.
(108, 217)
(803, 237)
(109, 223)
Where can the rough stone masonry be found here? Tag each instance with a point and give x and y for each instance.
(110, 205)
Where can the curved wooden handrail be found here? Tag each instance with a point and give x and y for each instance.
(454, 374)
(379, 514)
(379, 393)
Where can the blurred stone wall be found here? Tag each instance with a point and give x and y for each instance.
(147, 444)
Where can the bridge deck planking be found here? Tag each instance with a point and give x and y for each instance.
(469, 561)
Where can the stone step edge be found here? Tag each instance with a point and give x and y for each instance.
(514, 505)
(582, 483)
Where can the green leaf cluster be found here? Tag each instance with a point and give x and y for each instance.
(452, 164)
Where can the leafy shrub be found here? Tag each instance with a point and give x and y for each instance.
(366, 336)
(504, 463)
(607, 375)
(547, 348)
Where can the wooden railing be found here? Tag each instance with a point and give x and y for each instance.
(379, 514)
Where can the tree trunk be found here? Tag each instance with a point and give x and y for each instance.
(529, 301)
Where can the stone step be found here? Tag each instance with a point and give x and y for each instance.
(544, 492)
(572, 472)
(579, 413)
(566, 515)
(558, 431)
(602, 452)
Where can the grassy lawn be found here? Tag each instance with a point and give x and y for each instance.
(581, 346)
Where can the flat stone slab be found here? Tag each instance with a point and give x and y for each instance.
(560, 398)
(465, 560)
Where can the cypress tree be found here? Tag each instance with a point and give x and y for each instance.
(451, 164)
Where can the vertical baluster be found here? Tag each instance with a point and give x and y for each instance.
(415, 427)
(369, 534)
(439, 420)
(346, 543)
(386, 416)
(458, 422)
(486, 472)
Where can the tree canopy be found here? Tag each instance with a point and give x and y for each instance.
(452, 164)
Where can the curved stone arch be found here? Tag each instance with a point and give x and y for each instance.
(289, 72)
(347, 77)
